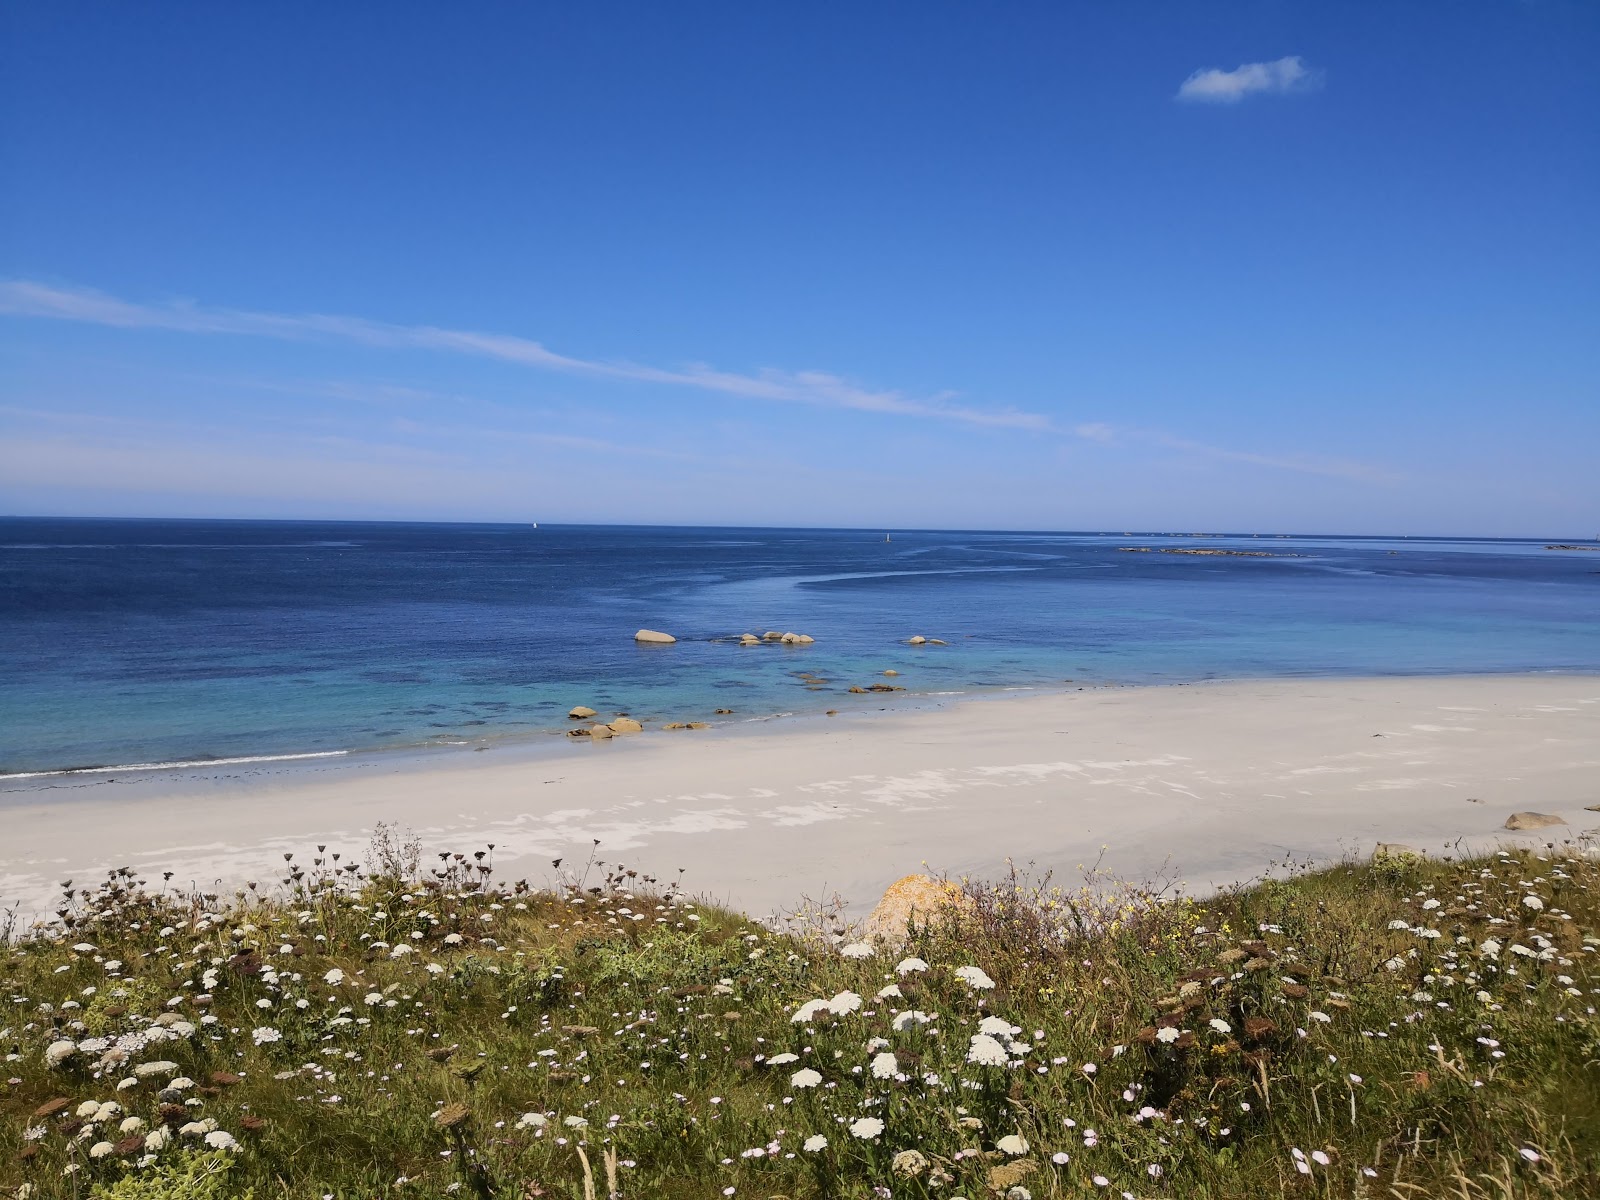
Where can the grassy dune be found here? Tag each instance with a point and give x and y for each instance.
(412, 1027)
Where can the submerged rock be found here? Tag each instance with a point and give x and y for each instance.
(654, 637)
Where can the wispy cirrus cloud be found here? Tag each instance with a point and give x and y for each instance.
(1212, 85)
(31, 299)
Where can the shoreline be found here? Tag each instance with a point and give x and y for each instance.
(530, 741)
(1219, 778)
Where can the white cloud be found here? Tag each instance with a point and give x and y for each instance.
(1215, 86)
(26, 298)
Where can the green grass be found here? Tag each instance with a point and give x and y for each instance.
(1308, 1036)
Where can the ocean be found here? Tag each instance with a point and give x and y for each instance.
(142, 643)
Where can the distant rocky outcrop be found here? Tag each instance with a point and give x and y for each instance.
(1568, 546)
(1532, 820)
(1208, 552)
(654, 637)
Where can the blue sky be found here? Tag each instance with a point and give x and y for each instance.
(1255, 266)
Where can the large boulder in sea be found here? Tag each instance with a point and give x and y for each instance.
(919, 898)
(580, 712)
(652, 637)
(918, 640)
(625, 725)
(1532, 820)
(599, 731)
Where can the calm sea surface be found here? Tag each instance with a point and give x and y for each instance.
(136, 642)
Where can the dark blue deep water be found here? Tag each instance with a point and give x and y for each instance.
(131, 642)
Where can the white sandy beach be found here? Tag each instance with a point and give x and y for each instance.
(1218, 780)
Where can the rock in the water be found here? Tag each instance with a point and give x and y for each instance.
(654, 637)
(891, 672)
(749, 639)
(580, 732)
(915, 897)
(805, 639)
(858, 691)
(600, 731)
(772, 635)
(581, 712)
(626, 725)
(916, 641)
(789, 639)
(1532, 820)
(722, 712)
(937, 642)
(1591, 808)
(1394, 850)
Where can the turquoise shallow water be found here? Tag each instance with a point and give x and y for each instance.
(135, 642)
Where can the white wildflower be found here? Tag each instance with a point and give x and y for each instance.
(805, 1077)
(975, 977)
(866, 1127)
(856, 950)
(986, 1051)
(1012, 1144)
(844, 1002)
(809, 1010)
(908, 965)
(885, 1065)
(815, 1143)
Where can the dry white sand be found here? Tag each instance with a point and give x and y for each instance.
(1218, 780)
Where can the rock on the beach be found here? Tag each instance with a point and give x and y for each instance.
(581, 712)
(626, 725)
(654, 637)
(599, 731)
(687, 725)
(1532, 820)
(913, 897)
(579, 732)
(1394, 850)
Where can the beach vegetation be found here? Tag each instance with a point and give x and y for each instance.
(406, 1025)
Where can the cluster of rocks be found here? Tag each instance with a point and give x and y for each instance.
(772, 635)
(858, 690)
(622, 723)
(919, 640)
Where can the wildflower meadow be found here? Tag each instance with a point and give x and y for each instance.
(410, 1026)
